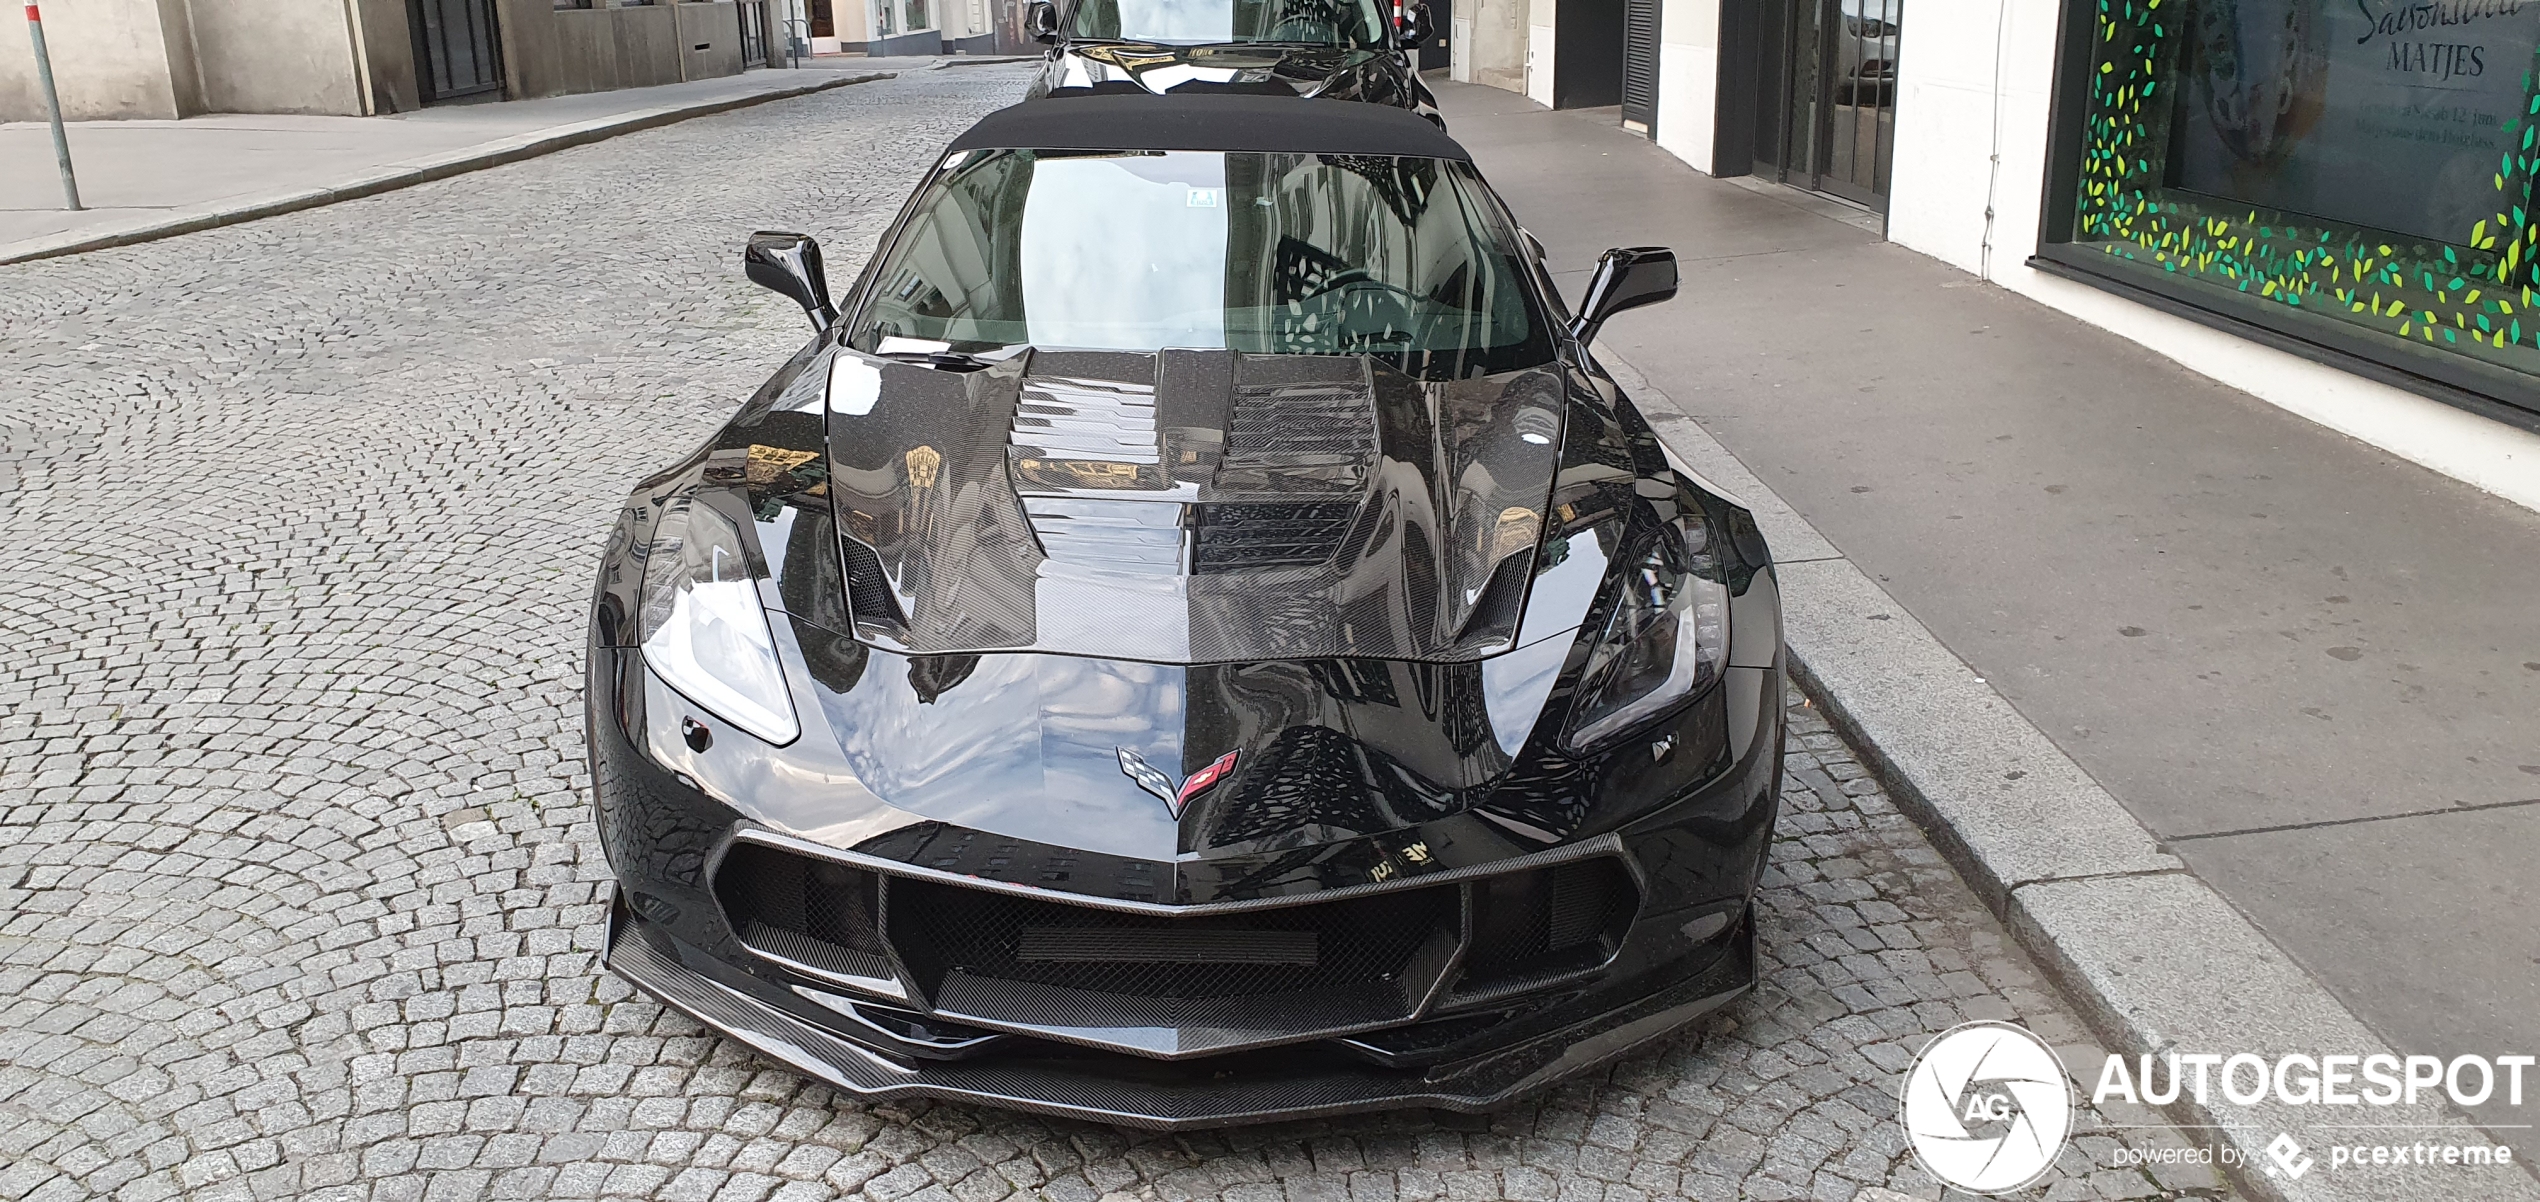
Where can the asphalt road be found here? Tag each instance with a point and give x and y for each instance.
(298, 892)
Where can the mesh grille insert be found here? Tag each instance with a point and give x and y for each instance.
(941, 929)
(809, 911)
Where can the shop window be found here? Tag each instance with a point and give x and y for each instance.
(918, 18)
(2354, 172)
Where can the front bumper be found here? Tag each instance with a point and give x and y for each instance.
(875, 999)
(1127, 1091)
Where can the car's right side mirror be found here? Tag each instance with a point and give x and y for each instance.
(1627, 277)
(790, 264)
(1041, 19)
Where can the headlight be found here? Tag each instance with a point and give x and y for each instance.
(704, 631)
(1667, 640)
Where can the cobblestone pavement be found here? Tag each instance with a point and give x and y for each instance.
(298, 895)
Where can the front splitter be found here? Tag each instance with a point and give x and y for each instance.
(645, 958)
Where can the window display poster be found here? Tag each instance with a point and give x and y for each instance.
(2388, 114)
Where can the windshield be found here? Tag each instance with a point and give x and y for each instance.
(1356, 23)
(1292, 254)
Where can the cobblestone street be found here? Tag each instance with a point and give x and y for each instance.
(298, 891)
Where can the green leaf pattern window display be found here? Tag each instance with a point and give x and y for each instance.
(2470, 286)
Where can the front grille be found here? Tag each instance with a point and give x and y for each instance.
(812, 912)
(941, 930)
(1171, 985)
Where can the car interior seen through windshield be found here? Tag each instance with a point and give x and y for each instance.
(1355, 23)
(1268, 253)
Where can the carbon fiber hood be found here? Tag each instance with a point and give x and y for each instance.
(1189, 506)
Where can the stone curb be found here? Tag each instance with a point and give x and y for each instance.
(2153, 958)
(406, 175)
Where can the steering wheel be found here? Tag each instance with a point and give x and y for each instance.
(1376, 303)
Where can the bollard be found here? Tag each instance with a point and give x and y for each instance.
(53, 103)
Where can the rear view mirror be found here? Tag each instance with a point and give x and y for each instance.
(1041, 20)
(790, 264)
(1415, 29)
(1627, 277)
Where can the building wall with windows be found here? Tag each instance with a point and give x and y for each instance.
(2327, 203)
(166, 59)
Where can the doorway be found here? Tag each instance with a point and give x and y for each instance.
(1587, 54)
(457, 51)
(1826, 96)
(1437, 54)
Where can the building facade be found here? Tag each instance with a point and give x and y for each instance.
(2327, 203)
(895, 27)
(164, 59)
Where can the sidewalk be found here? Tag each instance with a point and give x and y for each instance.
(148, 179)
(2310, 669)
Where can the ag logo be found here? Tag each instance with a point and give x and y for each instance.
(1987, 1107)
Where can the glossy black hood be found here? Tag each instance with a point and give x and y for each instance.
(925, 477)
(1189, 507)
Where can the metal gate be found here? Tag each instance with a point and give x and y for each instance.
(1830, 120)
(456, 50)
(753, 33)
(1640, 66)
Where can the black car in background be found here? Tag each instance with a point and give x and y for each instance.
(1334, 49)
(1194, 638)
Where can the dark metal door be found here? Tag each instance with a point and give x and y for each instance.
(1640, 65)
(457, 52)
(1435, 54)
(753, 32)
(1837, 130)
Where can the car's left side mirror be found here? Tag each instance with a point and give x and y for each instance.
(1042, 21)
(1415, 30)
(1627, 277)
(790, 264)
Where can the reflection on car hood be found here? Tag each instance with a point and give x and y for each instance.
(1189, 506)
(1297, 70)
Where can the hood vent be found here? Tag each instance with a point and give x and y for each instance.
(1191, 506)
(1235, 535)
(1076, 433)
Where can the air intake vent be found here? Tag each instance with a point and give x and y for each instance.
(1549, 921)
(1077, 434)
(1298, 425)
(1236, 535)
(812, 912)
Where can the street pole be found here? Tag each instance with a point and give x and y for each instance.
(53, 103)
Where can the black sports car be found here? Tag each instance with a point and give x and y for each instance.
(1334, 49)
(1195, 639)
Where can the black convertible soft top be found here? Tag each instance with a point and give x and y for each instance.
(1210, 122)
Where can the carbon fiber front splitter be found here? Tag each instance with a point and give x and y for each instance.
(648, 960)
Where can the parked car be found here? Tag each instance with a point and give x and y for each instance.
(1334, 49)
(1193, 638)
(1865, 52)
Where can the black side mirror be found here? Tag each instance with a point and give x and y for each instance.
(790, 264)
(1627, 277)
(1415, 30)
(1041, 20)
